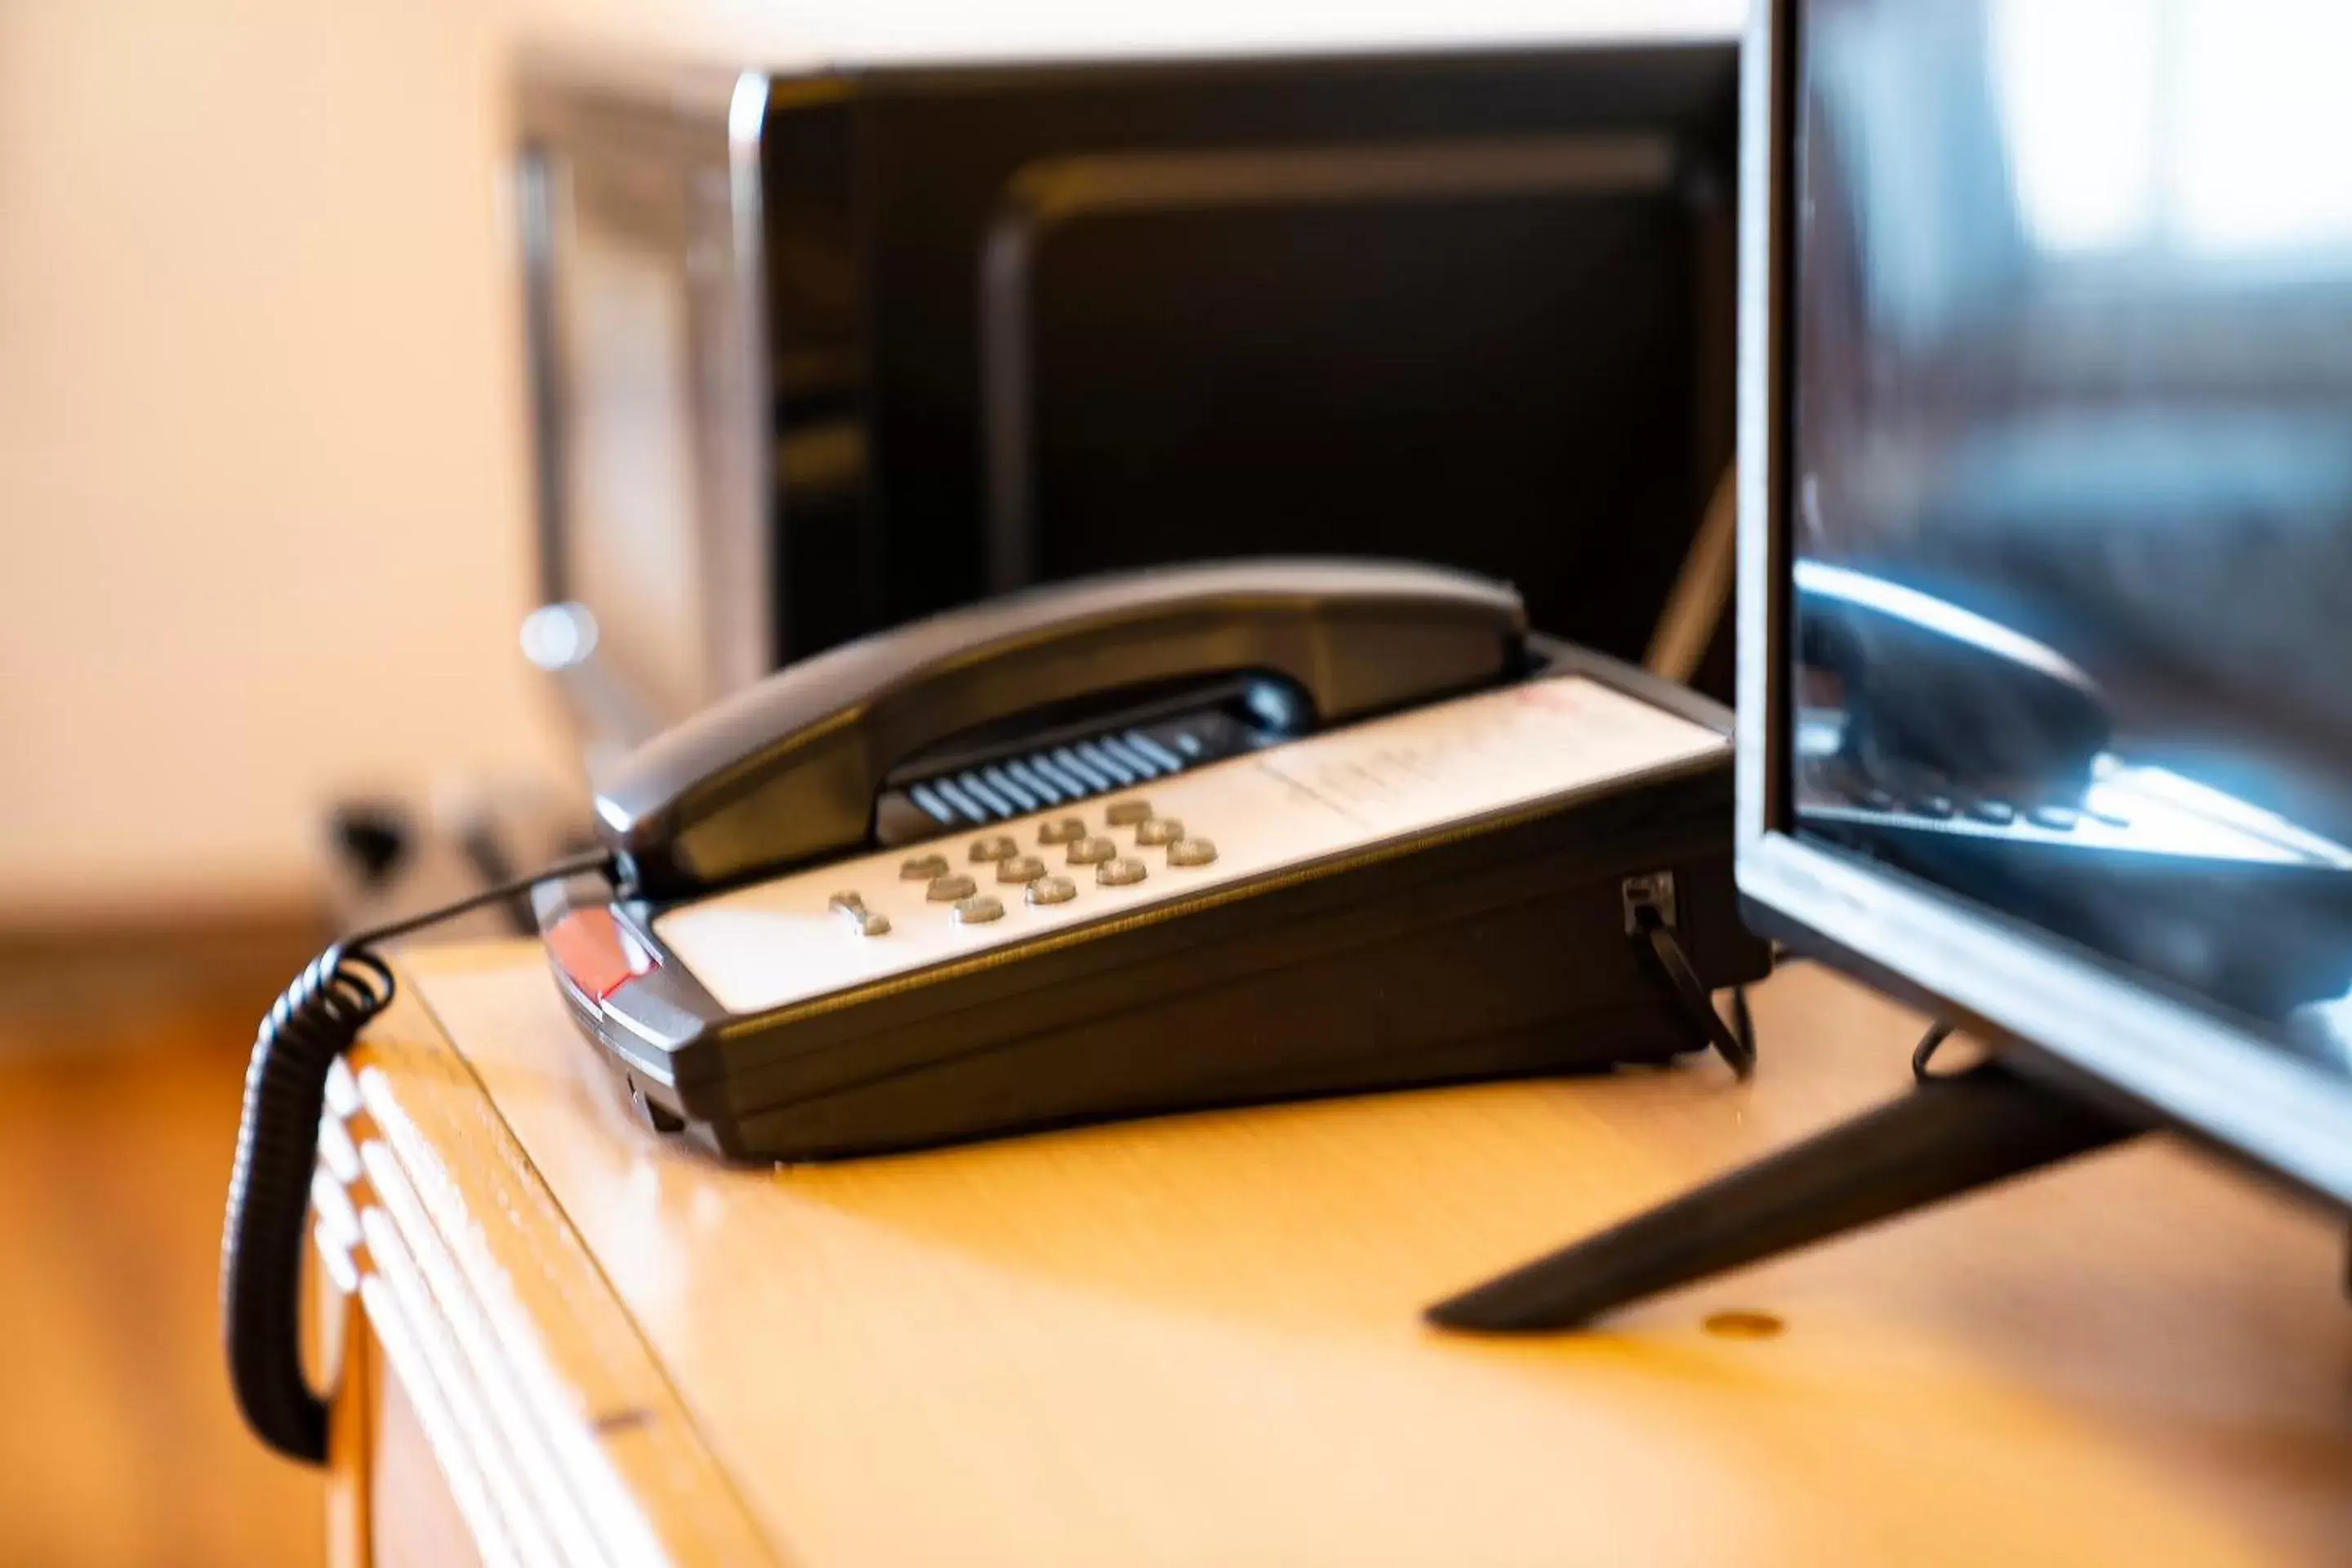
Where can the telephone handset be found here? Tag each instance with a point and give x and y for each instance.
(1160, 842)
(1154, 842)
(792, 768)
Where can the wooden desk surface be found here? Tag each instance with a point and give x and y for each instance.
(1197, 1340)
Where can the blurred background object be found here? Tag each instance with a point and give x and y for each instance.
(264, 450)
(817, 354)
(266, 479)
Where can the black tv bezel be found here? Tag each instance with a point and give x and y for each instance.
(2063, 1014)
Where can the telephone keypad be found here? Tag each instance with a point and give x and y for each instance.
(775, 944)
(1092, 851)
(1192, 852)
(994, 847)
(1020, 868)
(1055, 890)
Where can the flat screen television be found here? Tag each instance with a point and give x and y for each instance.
(2045, 592)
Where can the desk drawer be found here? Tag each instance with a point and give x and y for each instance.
(493, 1402)
(389, 1504)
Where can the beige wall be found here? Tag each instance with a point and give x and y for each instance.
(261, 436)
(258, 437)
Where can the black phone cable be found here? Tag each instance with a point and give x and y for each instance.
(318, 1018)
(1735, 1044)
(1923, 1054)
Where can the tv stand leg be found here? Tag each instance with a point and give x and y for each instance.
(1949, 1136)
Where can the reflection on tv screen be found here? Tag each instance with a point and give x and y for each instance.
(2073, 475)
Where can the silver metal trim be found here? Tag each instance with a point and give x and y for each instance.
(1757, 466)
(698, 135)
(739, 510)
(2266, 1102)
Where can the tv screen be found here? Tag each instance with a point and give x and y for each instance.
(2068, 484)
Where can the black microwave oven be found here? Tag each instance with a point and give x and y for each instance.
(814, 353)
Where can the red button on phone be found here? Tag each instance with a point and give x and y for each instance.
(595, 953)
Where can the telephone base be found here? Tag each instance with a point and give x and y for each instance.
(1050, 1084)
(1491, 959)
(1433, 895)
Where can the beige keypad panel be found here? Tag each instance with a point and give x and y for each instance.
(806, 936)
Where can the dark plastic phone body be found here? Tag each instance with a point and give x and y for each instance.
(1491, 947)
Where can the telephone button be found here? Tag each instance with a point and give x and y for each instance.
(1020, 868)
(994, 847)
(851, 907)
(1053, 890)
(1127, 813)
(1192, 852)
(947, 889)
(1158, 830)
(595, 954)
(1092, 851)
(923, 868)
(1118, 873)
(978, 909)
(1062, 830)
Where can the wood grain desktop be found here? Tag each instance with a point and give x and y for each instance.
(1196, 1340)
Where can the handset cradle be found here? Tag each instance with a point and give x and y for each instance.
(789, 770)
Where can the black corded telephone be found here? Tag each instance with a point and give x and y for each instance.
(1148, 843)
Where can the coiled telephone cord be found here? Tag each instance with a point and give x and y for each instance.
(318, 1018)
